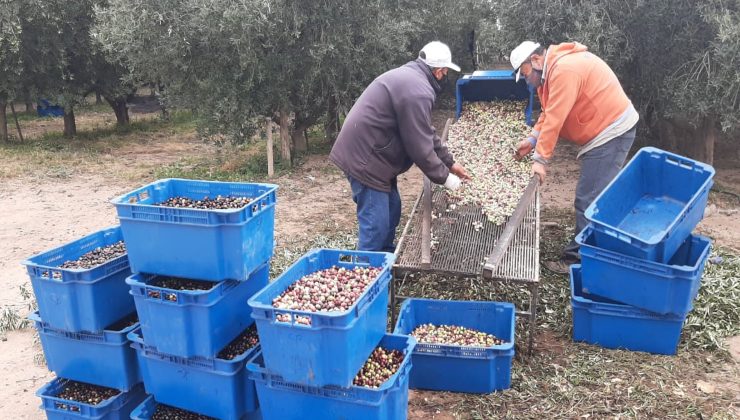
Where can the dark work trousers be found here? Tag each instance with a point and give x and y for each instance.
(378, 215)
(598, 167)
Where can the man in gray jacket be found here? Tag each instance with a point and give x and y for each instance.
(388, 130)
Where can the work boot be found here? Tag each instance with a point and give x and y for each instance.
(561, 266)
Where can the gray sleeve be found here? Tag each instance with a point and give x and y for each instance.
(442, 151)
(422, 144)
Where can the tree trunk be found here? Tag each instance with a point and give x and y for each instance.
(165, 111)
(681, 137)
(70, 126)
(285, 138)
(98, 98)
(300, 142)
(28, 101)
(3, 119)
(120, 109)
(331, 125)
(709, 136)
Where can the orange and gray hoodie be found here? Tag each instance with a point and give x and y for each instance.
(580, 97)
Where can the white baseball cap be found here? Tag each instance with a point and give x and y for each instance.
(437, 55)
(520, 54)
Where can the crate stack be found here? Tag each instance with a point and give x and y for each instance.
(193, 271)
(641, 266)
(308, 360)
(83, 318)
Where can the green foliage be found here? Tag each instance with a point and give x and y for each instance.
(708, 82)
(10, 47)
(677, 59)
(203, 52)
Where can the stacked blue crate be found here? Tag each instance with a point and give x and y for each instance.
(118, 407)
(640, 264)
(83, 318)
(308, 360)
(227, 253)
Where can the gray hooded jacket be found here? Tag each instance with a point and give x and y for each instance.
(389, 128)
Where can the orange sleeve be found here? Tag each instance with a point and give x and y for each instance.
(564, 87)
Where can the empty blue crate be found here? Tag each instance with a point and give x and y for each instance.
(334, 346)
(104, 359)
(460, 368)
(652, 205)
(656, 287)
(189, 323)
(210, 386)
(283, 400)
(118, 407)
(81, 299)
(199, 244)
(615, 325)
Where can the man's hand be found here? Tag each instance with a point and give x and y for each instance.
(523, 149)
(458, 170)
(540, 170)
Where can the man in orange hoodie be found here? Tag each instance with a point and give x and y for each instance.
(583, 102)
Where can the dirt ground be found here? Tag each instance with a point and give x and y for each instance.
(41, 212)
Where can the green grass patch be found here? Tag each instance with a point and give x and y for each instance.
(247, 162)
(57, 156)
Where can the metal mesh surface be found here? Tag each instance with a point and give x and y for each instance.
(459, 249)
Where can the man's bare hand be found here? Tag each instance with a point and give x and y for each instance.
(540, 170)
(523, 149)
(458, 170)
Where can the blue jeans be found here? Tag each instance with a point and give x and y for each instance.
(378, 215)
(598, 167)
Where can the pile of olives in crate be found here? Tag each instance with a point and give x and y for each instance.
(379, 367)
(454, 335)
(335, 289)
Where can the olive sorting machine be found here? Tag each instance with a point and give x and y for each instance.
(468, 245)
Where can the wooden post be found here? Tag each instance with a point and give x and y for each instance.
(270, 159)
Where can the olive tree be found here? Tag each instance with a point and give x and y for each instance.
(675, 58)
(204, 53)
(10, 58)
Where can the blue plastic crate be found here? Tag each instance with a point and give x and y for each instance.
(614, 325)
(656, 287)
(334, 347)
(44, 108)
(81, 299)
(212, 245)
(189, 323)
(104, 359)
(459, 368)
(210, 386)
(118, 407)
(283, 400)
(652, 205)
(493, 85)
(146, 410)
